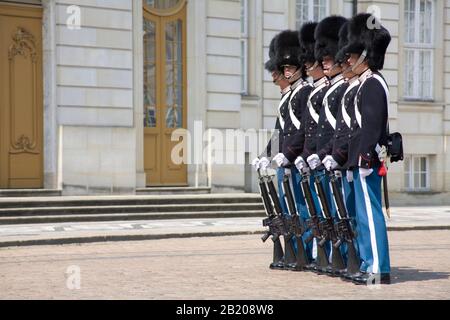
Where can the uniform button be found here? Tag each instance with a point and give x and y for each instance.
(342, 121)
(320, 135)
(323, 127)
(349, 136)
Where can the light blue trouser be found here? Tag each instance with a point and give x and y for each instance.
(371, 226)
(348, 193)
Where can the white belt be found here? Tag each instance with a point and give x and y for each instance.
(386, 90)
(331, 119)
(283, 100)
(345, 115)
(313, 112)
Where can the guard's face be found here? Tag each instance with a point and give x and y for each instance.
(276, 76)
(353, 61)
(347, 70)
(327, 64)
(289, 71)
(315, 73)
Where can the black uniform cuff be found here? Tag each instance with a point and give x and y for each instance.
(365, 161)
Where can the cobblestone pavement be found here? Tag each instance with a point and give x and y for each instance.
(211, 268)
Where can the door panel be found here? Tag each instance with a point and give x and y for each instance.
(21, 98)
(165, 95)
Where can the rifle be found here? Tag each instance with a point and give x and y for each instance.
(295, 228)
(274, 223)
(345, 230)
(313, 223)
(289, 252)
(329, 231)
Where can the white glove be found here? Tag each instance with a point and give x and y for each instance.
(255, 163)
(365, 172)
(329, 163)
(300, 163)
(281, 160)
(349, 175)
(313, 161)
(263, 163)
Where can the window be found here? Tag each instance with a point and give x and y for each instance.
(162, 4)
(419, 49)
(244, 47)
(417, 173)
(310, 10)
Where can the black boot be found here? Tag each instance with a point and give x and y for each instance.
(372, 279)
(346, 276)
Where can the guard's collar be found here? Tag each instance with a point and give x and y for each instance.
(366, 74)
(320, 82)
(351, 80)
(286, 90)
(336, 79)
(296, 84)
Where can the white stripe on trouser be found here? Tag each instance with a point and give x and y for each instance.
(314, 249)
(369, 211)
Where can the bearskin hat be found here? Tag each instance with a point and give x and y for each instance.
(341, 56)
(307, 42)
(372, 37)
(271, 64)
(327, 37)
(287, 48)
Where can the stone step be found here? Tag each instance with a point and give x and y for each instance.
(6, 193)
(130, 217)
(106, 209)
(172, 190)
(128, 200)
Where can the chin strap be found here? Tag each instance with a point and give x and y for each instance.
(314, 66)
(361, 59)
(295, 76)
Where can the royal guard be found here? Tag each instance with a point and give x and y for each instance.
(275, 144)
(337, 159)
(368, 42)
(294, 70)
(304, 143)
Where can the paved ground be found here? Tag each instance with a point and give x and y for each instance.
(402, 218)
(211, 268)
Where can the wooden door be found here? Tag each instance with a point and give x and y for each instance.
(165, 107)
(21, 97)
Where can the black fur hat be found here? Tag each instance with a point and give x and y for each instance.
(341, 56)
(327, 37)
(271, 64)
(307, 42)
(287, 48)
(366, 33)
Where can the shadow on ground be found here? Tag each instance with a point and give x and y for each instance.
(407, 274)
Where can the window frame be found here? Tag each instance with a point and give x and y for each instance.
(244, 42)
(411, 171)
(310, 8)
(418, 47)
